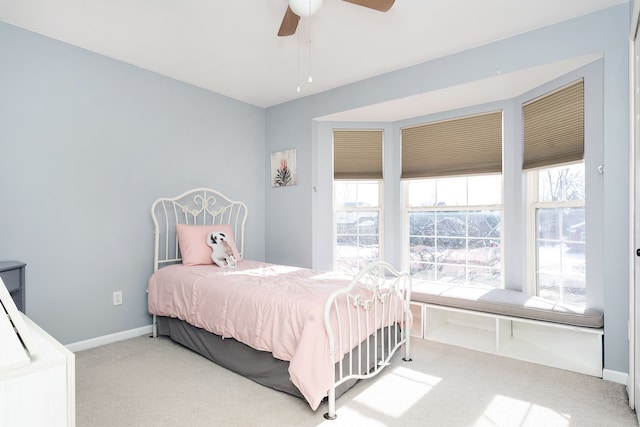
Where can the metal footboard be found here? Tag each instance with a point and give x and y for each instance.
(368, 327)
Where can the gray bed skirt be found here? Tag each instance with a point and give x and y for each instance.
(259, 366)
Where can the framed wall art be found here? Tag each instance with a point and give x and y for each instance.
(283, 168)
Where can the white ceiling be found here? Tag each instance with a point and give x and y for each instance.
(230, 47)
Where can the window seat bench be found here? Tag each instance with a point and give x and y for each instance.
(510, 323)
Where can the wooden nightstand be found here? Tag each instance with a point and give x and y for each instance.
(12, 273)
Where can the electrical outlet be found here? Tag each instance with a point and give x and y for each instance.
(117, 298)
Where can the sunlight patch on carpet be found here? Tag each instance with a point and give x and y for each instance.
(397, 391)
(503, 410)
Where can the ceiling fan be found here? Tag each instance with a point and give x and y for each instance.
(298, 8)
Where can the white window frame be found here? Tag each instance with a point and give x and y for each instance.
(533, 204)
(379, 209)
(406, 261)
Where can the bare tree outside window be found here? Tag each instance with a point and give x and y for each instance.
(561, 183)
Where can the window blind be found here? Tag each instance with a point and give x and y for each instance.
(554, 127)
(357, 154)
(460, 146)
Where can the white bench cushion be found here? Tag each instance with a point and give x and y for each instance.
(506, 302)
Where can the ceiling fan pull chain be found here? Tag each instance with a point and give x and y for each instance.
(309, 53)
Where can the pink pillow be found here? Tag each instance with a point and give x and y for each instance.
(192, 240)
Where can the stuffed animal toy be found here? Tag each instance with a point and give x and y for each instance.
(221, 252)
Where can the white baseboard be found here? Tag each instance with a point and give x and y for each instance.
(108, 339)
(615, 376)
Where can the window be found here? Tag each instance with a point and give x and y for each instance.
(452, 171)
(357, 200)
(454, 230)
(558, 217)
(357, 220)
(554, 166)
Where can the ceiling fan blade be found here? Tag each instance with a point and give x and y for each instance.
(289, 23)
(381, 5)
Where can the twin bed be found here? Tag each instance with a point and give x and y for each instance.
(308, 333)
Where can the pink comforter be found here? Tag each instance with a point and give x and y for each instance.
(253, 304)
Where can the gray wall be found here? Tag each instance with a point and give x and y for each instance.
(87, 143)
(299, 215)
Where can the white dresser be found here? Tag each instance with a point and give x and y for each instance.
(37, 390)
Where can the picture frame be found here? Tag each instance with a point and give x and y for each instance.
(284, 171)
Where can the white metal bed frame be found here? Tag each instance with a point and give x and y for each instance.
(204, 206)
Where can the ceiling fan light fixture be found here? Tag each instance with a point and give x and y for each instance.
(305, 7)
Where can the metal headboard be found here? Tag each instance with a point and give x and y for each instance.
(201, 206)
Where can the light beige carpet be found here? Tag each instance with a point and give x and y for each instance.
(155, 382)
